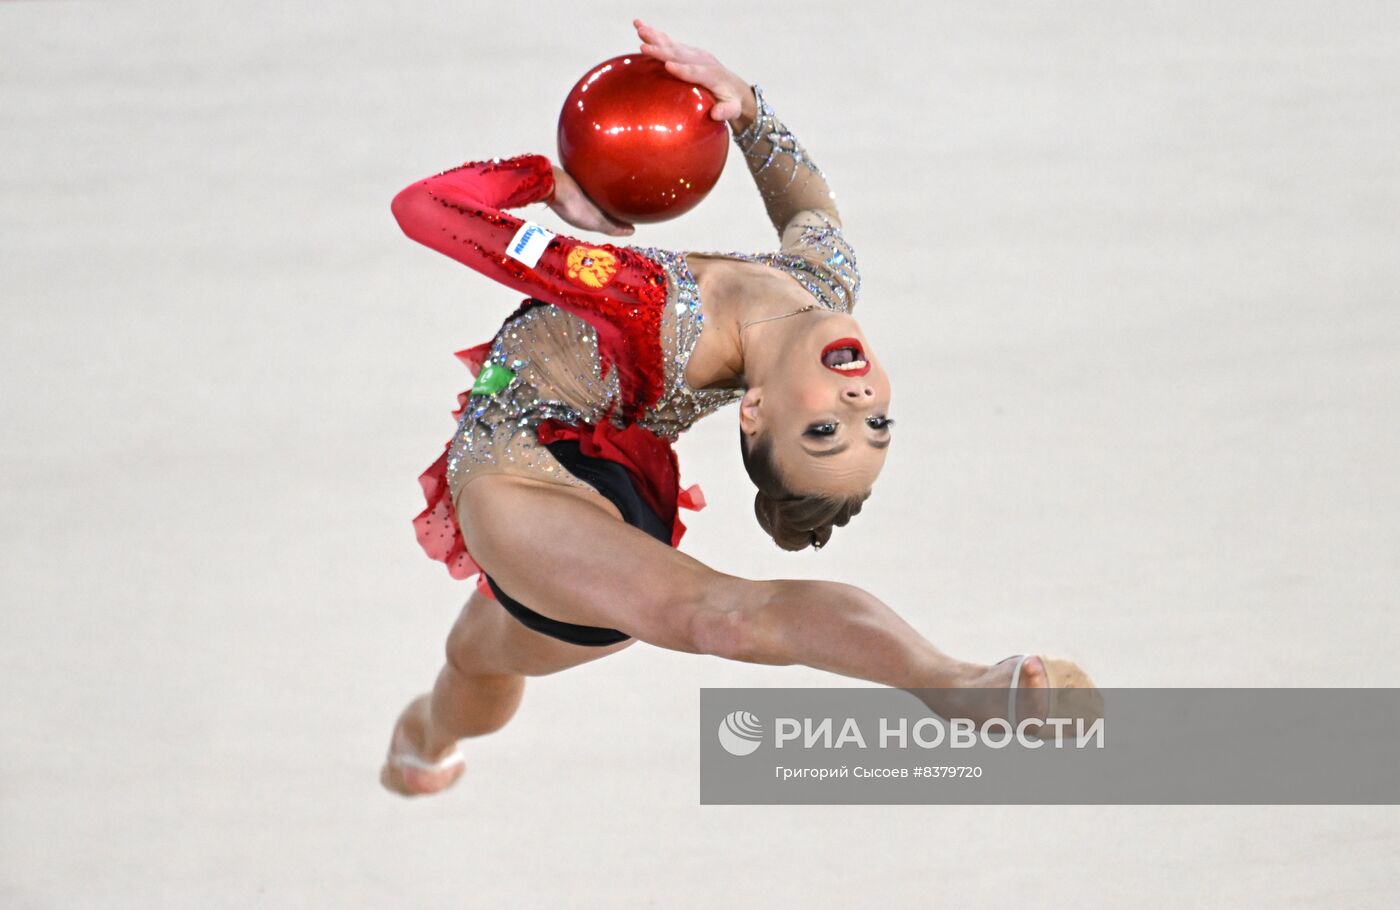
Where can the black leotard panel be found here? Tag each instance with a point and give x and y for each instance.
(615, 484)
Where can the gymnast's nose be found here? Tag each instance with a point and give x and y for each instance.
(857, 394)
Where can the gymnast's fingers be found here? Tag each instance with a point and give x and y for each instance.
(726, 110)
(617, 228)
(652, 35)
(659, 44)
(687, 54)
(679, 53)
(700, 73)
(708, 75)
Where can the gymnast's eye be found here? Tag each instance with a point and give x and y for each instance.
(879, 423)
(822, 429)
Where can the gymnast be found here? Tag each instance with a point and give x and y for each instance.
(560, 487)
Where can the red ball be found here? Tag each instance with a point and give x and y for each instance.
(640, 142)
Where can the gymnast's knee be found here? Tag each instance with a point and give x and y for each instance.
(734, 630)
(473, 652)
(720, 632)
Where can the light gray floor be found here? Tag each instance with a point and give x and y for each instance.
(1133, 267)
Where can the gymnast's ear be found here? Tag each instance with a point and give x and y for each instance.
(750, 412)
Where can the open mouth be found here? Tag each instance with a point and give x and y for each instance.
(845, 356)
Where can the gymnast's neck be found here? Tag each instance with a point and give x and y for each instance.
(734, 293)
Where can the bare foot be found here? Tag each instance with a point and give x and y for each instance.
(410, 769)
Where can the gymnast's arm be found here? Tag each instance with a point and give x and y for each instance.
(787, 178)
(460, 213)
(800, 204)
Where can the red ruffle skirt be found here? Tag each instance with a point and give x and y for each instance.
(648, 458)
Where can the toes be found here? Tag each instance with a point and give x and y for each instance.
(416, 782)
(390, 780)
(1080, 698)
(1066, 674)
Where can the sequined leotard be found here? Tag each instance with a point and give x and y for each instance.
(604, 339)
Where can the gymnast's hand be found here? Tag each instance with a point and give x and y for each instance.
(734, 101)
(572, 204)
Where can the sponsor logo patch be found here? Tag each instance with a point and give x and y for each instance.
(528, 244)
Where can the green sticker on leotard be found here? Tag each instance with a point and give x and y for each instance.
(492, 378)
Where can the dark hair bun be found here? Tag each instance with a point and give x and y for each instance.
(799, 523)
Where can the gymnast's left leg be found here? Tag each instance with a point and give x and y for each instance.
(489, 655)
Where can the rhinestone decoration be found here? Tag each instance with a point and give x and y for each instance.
(547, 360)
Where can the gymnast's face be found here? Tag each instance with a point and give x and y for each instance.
(824, 413)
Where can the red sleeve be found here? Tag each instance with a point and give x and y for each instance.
(458, 212)
(617, 289)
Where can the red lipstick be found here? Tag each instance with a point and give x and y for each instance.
(845, 351)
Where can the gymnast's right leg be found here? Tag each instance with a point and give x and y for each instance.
(603, 572)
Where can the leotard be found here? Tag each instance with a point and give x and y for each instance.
(598, 351)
